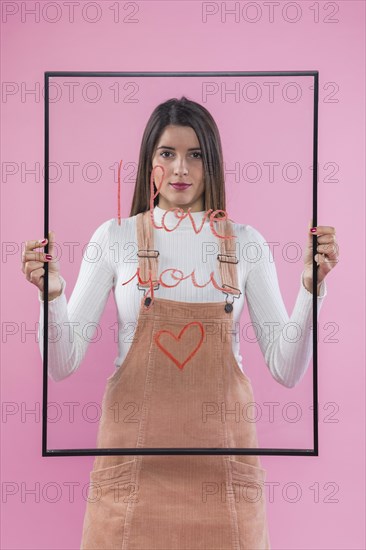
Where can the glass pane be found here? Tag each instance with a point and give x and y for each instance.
(266, 129)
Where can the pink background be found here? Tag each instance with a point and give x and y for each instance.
(317, 502)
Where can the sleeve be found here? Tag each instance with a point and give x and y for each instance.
(285, 341)
(72, 325)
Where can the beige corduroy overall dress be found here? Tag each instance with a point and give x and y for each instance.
(178, 387)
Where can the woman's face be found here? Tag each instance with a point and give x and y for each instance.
(178, 151)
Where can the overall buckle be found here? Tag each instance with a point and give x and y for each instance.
(148, 300)
(154, 255)
(231, 258)
(147, 286)
(229, 305)
(151, 253)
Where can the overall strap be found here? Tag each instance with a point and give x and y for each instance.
(227, 262)
(148, 256)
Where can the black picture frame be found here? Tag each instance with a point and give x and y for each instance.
(181, 451)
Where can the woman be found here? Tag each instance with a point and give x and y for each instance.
(181, 363)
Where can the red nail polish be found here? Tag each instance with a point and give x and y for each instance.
(44, 241)
(313, 229)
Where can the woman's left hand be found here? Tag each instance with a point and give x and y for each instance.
(327, 254)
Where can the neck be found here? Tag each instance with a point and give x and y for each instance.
(171, 219)
(195, 208)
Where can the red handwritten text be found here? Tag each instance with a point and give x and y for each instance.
(179, 212)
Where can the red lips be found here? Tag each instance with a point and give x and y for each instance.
(180, 185)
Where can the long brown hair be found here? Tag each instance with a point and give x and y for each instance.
(182, 112)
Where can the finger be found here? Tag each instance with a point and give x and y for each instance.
(35, 275)
(327, 238)
(322, 259)
(31, 266)
(38, 256)
(31, 245)
(323, 230)
(331, 250)
(29, 263)
(319, 258)
(310, 235)
(324, 263)
(51, 248)
(330, 259)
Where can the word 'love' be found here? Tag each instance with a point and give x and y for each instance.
(180, 214)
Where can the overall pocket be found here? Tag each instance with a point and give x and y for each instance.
(112, 492)
(250, 503)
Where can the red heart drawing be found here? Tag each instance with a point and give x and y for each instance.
(177, 338)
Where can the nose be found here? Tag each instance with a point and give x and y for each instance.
(180, 167)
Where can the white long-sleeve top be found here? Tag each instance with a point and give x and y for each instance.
(112, 260)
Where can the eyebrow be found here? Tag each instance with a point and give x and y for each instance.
(173, 148)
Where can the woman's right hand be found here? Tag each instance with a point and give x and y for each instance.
(32, 266)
